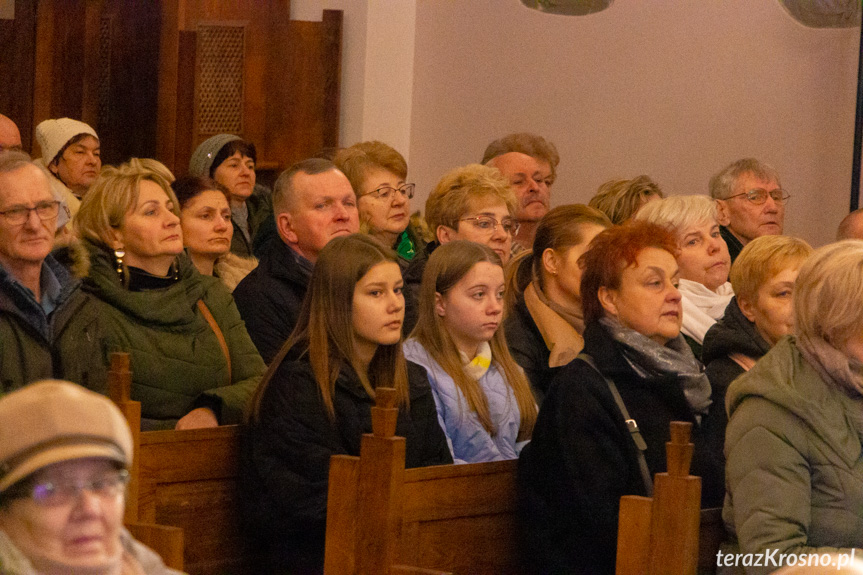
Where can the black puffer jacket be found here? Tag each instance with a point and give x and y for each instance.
(731, 334)
(289, 449)
(582, 459)
(269, 298)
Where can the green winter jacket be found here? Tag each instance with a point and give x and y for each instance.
(177, 362)
(794, 468)
(67, 344)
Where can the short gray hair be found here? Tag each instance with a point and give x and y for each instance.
(677, 213)
(13, 160)
(722, 184)
(283, 189)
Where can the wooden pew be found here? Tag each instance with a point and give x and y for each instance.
(669, 534)
(385, 519)
(188, 480)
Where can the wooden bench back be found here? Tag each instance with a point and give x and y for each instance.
(383, 519)
(188, 480)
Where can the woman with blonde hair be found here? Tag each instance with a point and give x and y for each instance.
(703, 259)
(758, 316)
(193, 363)
(316, 398)
(795, 462)
(545, 325)
(484, 401)
(620, 200)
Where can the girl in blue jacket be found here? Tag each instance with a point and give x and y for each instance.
(484, 401)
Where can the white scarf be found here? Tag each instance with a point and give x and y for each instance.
(702, 307)
(480, 363)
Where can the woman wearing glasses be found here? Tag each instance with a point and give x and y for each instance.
(378, 174)
(64, 459)
(474, 203)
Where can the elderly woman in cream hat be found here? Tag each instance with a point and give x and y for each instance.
(64, 458)
(72, 154)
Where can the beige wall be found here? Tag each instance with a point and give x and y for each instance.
(671, 88)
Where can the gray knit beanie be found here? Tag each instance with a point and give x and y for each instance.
(53, 135)
(202, 158)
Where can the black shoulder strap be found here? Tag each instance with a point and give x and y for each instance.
(631, 425)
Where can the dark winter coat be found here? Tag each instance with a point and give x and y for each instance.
(261, 223)
(269, 298)
(290, 445)
(413, 276)
(528, 348)
(731, 334)
(66, 344)
(582, 459)
(177, 362)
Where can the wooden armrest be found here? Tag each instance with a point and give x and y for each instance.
(164, 540)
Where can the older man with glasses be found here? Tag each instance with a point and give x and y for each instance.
(750, 202)
(48, 326)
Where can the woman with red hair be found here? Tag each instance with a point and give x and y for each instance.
(635, 366)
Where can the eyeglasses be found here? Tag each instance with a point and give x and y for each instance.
(386, 192)
(20, 214)
(759, 195)
(61, 493)
(489, 224)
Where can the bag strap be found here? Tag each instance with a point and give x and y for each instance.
(205, 311)
(631, 425)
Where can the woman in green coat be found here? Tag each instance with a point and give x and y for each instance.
(193, 364)
(794, 441)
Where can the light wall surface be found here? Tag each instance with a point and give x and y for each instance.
(675, 89)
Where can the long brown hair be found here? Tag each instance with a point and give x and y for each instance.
(558, 230)
(447, 265)
(325, 330)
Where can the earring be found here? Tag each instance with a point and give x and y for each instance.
(118, 257)
(175, 270)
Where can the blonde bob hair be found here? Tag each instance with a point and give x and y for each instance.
(828, 294)
(114, 195)
(676, 213)
(446, 266)
(451, 198)
(762, 259)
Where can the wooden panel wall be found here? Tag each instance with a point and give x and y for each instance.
(128, 68)
(291, 80)
(17, 67)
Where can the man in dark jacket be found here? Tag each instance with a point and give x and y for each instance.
(48, 326)
(313, 203)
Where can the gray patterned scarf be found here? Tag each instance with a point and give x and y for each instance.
(649, 359)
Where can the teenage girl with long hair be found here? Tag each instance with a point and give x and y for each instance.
(484, 401)
(316, 398)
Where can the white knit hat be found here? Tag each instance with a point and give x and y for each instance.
(53, 135)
